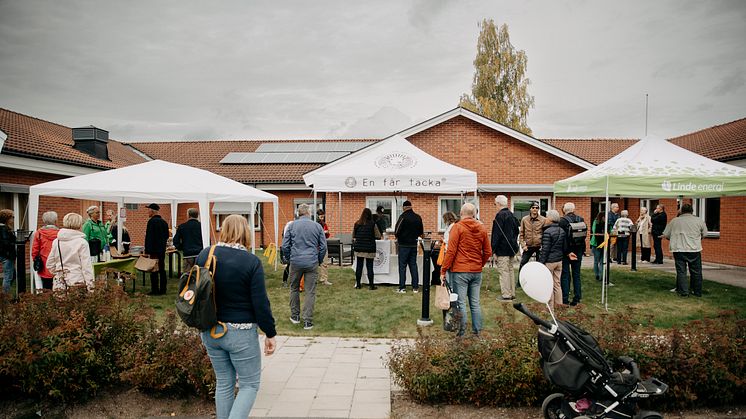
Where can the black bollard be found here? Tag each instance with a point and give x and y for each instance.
(425, 319)
(633, 244)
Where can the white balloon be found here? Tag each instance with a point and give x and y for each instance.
(536, 281)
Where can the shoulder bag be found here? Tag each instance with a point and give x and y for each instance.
(146, 264)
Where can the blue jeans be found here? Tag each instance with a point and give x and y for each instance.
(598, 262)
(468, 284)
(8, 271)
(574, 266)
(408, 257)
(235, 354)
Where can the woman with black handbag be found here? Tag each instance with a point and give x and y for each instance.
(364, 236)
(42, 246)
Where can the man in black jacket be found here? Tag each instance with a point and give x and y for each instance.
(505, 246)
(156, 236)
(659, 219)
(408, 229)
(572, 260)
(188, 238)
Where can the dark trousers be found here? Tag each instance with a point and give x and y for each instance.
(645, 254)
(359, 261)
(47, 283)
(571, 268)
(694, 261)
(658, 249)
(622, 245)
(408, 257)
(158, 279)
(435, 275)
(531, 251)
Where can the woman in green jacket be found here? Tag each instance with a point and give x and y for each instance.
(94, 230)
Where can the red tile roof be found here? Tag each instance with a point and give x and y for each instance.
(722, 142)
(595, 151)
(208, 154)
(36, 138)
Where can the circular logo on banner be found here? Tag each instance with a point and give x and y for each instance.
(666, 185)
(380, 259)
(350, 182)
(396, 160)
(188, 295)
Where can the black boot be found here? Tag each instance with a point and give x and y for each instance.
(357, 284)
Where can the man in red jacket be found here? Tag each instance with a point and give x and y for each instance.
(468, 250)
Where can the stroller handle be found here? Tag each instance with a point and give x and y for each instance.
(536, 319)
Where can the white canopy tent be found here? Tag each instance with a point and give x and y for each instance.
(655, 168)
(392, 165)
(154, 181)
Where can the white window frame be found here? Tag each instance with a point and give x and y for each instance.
(530, 198)
(700, 209)
(258, 218)
(464, 199)
(395, 212)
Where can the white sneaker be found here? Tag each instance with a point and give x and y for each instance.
(417, 291)
(673, 289)
(611, 284)
(401, 291)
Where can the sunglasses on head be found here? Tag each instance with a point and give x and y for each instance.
(534, 207)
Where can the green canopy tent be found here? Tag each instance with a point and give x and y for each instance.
(655, 168)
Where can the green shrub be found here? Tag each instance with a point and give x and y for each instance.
(704, 363)
(65, 346)
(170, 359)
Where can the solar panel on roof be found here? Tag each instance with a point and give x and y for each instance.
(270, 158)
(311, 147)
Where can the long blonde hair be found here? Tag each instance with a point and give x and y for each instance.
(235, 229)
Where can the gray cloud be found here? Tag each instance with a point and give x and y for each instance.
(187, 69)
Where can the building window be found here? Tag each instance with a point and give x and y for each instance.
(453, 204)
(392, 207)
(708, 209)
(219, 218)
(522, 205)
(131, 207)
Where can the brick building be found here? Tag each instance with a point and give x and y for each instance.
(507, 162)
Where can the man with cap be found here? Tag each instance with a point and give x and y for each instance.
(408, 229)
(156, 236)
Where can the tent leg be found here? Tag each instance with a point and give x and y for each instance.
(339, 204)
(33, 219)
(252, 229)
(204, 210)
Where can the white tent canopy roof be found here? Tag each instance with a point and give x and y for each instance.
(154, 181)
(654, 167)
(393, 164)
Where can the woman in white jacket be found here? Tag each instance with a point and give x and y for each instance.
(70, 257)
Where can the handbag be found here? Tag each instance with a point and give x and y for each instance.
(38, 264)
(95, 246)
(146, 264)
(442, 297)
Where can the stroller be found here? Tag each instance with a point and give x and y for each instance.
(572, 360)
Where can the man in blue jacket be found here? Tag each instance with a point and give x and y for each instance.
(304, 246)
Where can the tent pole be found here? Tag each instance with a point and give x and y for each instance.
(33, 217)
(607, 252)
(120, 225)
(276, 205)
(204, 210)
(339, 204)
(313, 215)
(174, 210)
(251, 228)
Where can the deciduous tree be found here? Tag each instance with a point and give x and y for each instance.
(500, 87)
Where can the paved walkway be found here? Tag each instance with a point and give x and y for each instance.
(724, 274)
(325, 377)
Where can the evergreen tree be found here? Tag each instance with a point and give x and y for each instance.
(500, 87)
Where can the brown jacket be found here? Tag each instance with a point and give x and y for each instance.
(468, 247)
(531, 231)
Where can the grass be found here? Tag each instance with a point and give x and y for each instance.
(341, 310)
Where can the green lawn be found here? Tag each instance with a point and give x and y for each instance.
(342, 310)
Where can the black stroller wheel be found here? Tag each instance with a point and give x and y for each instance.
(552, 406)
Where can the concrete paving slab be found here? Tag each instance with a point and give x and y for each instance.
(322, 377)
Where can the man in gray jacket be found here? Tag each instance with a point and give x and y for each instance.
(685, 233)
(304, 246)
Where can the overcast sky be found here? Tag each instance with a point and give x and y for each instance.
(174, 70)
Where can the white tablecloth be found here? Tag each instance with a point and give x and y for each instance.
(386, 266)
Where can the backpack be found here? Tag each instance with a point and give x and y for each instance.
(576, 231)
(196, 300)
